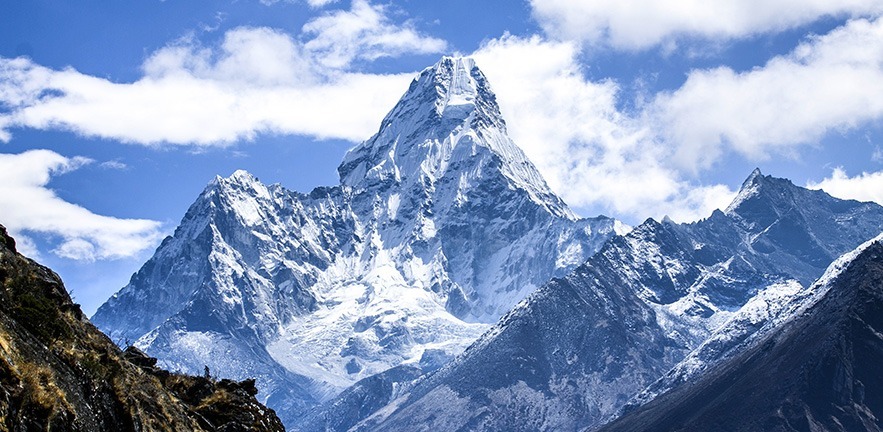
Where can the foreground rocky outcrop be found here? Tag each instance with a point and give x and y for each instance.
(58, 372)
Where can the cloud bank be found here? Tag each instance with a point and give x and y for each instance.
(591, 153)
(641, 24)
(863, 187)
(644, 162)
(28, 206)
(832, 82)
(259, 80)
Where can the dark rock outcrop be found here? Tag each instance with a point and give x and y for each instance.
(58, 372)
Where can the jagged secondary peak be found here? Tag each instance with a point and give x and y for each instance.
(765, 199)
(750, 188)
(240, 179)
(242, 193)
(447, 124)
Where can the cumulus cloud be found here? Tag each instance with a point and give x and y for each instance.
(182, 108)
(639, 24)
(364, 33)
(591, 153)
(829, 83)
(863, 187)
(28, 206)
(258, 80)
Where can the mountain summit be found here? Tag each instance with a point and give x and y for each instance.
(439, 226)
(447, 125)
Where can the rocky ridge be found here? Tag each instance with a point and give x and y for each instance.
(60, 373)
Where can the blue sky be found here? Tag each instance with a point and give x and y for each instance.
(115, 115)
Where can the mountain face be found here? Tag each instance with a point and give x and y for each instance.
(817, 370)
(572, 354)
(60, 373)
(439, 226)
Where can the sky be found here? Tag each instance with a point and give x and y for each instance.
(115, 115)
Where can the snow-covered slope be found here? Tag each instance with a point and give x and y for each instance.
(817, 369)
(574, 352)
(440, 225)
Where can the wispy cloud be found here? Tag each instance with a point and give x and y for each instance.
(29, 207)
(320, 3)
(258, 80)
(114, 165)
(640, 24)
(832, 82)
(364, 33)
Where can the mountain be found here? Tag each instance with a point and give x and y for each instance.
(439, 226)
(573, 353)
(817, 370)
(60, 373)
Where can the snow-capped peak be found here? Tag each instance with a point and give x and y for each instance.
(239, 179)
(439, 226)
(458, 87)
(447, 125)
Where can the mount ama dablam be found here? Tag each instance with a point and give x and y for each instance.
(439, 226)
(349, 303)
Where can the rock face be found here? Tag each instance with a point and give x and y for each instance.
(576, 351)
(58, 372)
(439, 226)
(818, 370)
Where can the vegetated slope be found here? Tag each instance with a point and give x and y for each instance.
(576, 351)
(819, 370)
(439, 226)
(60, 373)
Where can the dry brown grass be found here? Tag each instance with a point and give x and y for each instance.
(40, 389)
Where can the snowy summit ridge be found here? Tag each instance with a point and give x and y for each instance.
(448, 120)
(440, 225)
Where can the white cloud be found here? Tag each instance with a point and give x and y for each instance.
(589, 152)
(259, 80)
(364, 33)
(829, 83)
(320, 3)
(638, 24)
(863, 187)
(114, 165)
(28, 206)
(193, 103)
(315, 4)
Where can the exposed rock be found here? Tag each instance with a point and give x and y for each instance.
(59, 373)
